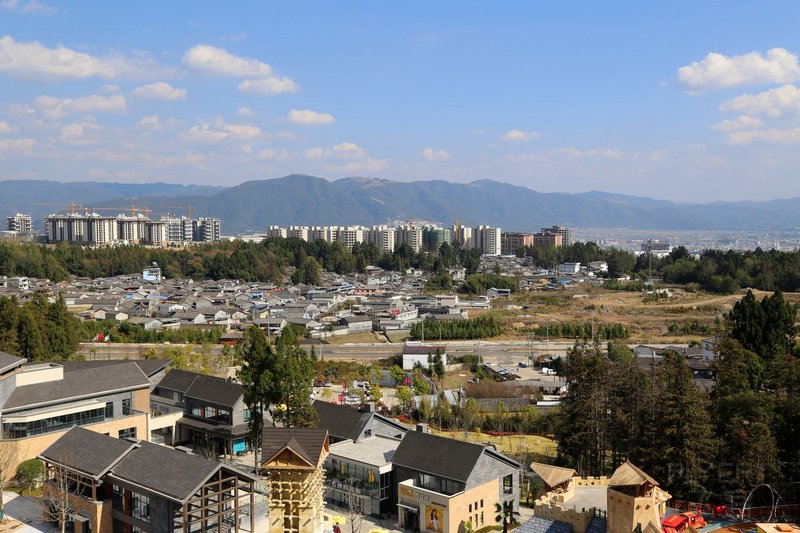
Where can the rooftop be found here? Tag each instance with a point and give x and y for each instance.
(376, 451)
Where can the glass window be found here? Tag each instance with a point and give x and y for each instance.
(129, 433)
(508, 484)
(246, 414)
(109, 409)
(126, 406)
(140, 506)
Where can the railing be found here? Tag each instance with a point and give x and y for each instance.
(749, 513)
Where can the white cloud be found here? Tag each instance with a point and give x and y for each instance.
(29, 7)
(159, 91)
(314, 153)
(348, 150)
(55, 108)
(770, 136)
(603, 153)
(16, 146)
(308, 117)
(245, 112)
(150, 122)
(520, 136)
(110, 88)
(273, 155)
(717, 71)
(743, 122)
(213, 61)
(268, 86)
(219, 131)
(772, 103)
(79, 133)
(435, 155)
(367, 165)
(5, 127)
(33, 61)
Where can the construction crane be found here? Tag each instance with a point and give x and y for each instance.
(74, 207)
(188, 208)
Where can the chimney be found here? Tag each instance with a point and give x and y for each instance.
(423, 428)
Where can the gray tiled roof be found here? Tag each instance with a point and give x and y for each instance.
(441, 456)
(215, 390)
(309, 443)
(178, 380)
(341, 421)
(86, 451)
(597, 525)
(150, 367)
(544, 525)
(9, 361)
(170, 472)
(79, 384)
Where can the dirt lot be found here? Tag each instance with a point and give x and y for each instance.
(647, 319)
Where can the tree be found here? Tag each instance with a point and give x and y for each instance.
(30, 474)
(30, 337)
(506, 515)
(404, 396)
(469, 414)
(57, 498)
(308, 273)
(356, 503)
(376, 392)
(8, 461)
(258, 376)
(438, 363)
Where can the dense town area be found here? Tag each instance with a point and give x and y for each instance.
(295, 384)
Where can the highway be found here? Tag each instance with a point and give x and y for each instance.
(504, 353)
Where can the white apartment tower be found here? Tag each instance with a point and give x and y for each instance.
(488, 240)
(20, 223)
(408, 234)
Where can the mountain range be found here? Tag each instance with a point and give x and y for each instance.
(307, 200)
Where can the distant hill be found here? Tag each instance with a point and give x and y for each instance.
(307, 200)
(22, 195)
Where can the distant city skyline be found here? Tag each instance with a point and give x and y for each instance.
(691, 102)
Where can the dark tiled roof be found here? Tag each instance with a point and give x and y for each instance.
(150, 367)
(174, 474)
(8, 361)
(449, 458)
(87, 451)
(544, 525)
(215, 390)
(309, 443)
(597, 525)
(178, 380)
(341, 421)
(80, 384)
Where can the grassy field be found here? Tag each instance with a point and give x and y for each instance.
(543, 447)
(647, 321)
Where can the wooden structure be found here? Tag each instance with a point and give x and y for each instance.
(293, 459)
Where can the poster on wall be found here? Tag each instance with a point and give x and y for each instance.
(434, 518)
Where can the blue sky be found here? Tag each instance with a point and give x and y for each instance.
(689, 101)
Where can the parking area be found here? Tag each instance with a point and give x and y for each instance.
(28, 511)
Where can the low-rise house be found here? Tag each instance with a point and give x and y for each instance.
(443, 483)
(415, 352)
(213, 415)
(357, 323)
(133, 485)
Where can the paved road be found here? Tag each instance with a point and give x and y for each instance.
(504, 353)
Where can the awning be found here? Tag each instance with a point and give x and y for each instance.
(415, 509)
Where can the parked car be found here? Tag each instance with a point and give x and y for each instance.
(326, 383)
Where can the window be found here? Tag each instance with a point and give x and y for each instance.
(246, 414)
(470, 508)
(126, 406)
(140, 506)
(508, 484)
(20, 430)
(109, 409)
(481, 517)
(129, 433)
(481, 504)
(367, 432)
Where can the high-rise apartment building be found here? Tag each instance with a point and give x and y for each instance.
(206, 229)
(512, 241)
(547, 238)
(409, 234)
(20, 223)
(566, 234)
(487, 239)
(383, 237)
